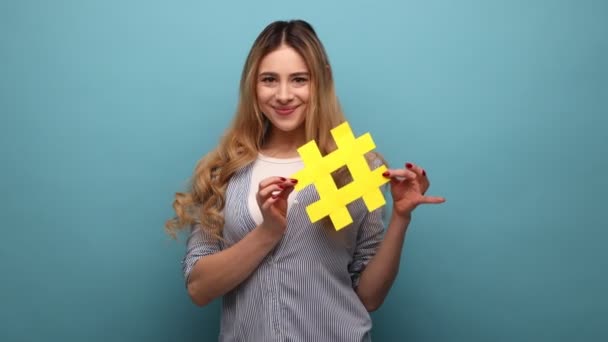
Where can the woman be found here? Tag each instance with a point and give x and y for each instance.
(282, 277)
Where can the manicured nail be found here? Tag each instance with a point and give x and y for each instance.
(409, 165)
(281, 187)
(294, 181)
(274, 196)
(423, 173)
(283, 179)
(386, 173)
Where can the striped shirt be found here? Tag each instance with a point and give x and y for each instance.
(304, 289)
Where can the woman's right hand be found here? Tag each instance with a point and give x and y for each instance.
(272, 199)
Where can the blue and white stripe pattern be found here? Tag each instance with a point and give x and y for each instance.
(304, 289)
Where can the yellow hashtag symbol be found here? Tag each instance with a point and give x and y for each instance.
(317, 170)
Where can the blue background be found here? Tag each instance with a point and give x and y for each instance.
(107, 105)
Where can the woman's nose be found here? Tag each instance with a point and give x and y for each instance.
(284, 93)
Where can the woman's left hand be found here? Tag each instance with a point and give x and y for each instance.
(408, 188)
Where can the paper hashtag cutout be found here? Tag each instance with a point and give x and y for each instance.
(317, 170)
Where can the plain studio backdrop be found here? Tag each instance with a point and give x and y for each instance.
(106, 106)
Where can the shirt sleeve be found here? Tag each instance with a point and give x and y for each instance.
(368, 240)
(199, 244)
(369, 236)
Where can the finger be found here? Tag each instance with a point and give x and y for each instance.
(269, 190)
(276, 180)
(400, 174)
(432, 199)
(275, 196)
(415, 168)
(286, 191)
(275, 190)
(421, 175)
(269, 202)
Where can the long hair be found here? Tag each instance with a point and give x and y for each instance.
(239, 147)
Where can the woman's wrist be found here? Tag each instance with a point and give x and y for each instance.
(401, 220)
(270, 234)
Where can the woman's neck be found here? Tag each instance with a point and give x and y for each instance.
(281, 144)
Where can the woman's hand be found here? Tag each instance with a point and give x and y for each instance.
(408, 187)
(272, 199)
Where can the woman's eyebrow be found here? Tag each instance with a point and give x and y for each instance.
(295, 74)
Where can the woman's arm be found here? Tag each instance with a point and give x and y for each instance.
(379, 274)
(408, 187)
(214, 275)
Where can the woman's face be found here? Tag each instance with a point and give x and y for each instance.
(283, 89)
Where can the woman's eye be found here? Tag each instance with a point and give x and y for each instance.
(300, 80)
(268, 79)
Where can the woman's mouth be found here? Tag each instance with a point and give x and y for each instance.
(285, 110)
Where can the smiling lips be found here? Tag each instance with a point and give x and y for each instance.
(285, 110)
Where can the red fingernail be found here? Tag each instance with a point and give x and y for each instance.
(423, 173)
(274, 196)
(281, 187)
(294, 181)
(409, 165)
(283, 179)
(386, 173)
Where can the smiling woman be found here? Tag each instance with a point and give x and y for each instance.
(251, 242)
(283, 92)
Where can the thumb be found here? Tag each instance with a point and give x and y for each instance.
(285, 193)
(432, 199)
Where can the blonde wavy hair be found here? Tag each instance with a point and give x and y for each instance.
(239, 147)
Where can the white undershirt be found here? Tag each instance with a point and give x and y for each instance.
(264, 167)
